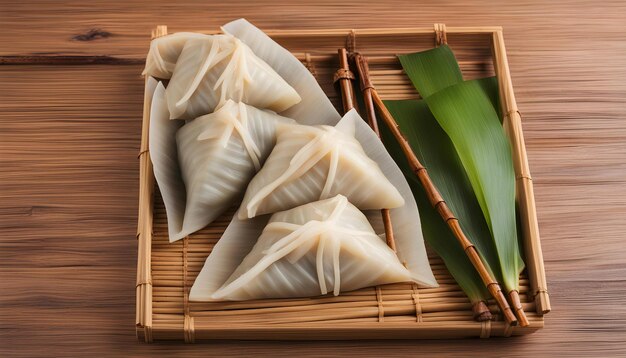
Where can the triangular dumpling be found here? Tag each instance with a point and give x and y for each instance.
(324, 246)
(213, 69)
(316, 108)
(312, 163)
(164, 52)
(203, 167)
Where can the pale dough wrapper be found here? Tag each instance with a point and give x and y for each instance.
(312, 163)
(204, 166)
(211, 70)
(317, 248)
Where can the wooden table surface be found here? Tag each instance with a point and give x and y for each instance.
(69, 138)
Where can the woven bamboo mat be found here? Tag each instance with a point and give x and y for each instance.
(164, 311)
(69, 137)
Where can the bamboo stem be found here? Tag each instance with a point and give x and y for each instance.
(347, 95)
(437, 200)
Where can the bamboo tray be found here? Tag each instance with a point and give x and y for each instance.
(166, 272)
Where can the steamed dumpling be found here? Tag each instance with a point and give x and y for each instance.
(315, 109)
(312, 163)
(213, 69)
(317, 248)
(164, 52)
(203, 167)
(218, 154)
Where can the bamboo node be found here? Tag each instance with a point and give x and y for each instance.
(471, 247)
(510, 113)
(519, 310)
(142, 153)
(141, 283)
(342, 74)
(481, 312)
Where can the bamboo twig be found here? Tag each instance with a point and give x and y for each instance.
(344, 76)
(435, 197)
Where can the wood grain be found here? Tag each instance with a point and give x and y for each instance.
(69, 138)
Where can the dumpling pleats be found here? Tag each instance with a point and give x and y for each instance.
(314, 163)
(203, 167)
(317, 248)
(164, 52)
(218, 154)
(316, 108)
(213, 69)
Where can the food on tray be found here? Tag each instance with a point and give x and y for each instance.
(311, 163)
(218, 154)
(164, 52)
(213, 69)
(322, 171)
(317, 248)
(316, 108)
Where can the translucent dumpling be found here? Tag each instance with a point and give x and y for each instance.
(213, 69)
(317, 248)
(203, 167)
(312, 163)
(164, 52)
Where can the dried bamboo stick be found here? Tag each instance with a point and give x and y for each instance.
(435, 197)
(344, 76)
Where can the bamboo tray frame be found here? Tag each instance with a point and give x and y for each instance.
(166, 272)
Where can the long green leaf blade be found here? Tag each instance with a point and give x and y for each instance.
(466, 114)
(485, 152)
(436, 152)
(434, 149)
(425, 69)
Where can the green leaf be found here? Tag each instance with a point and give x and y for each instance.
(466, 114)
(435, 150)
(469, 113)
(425, 69)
